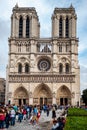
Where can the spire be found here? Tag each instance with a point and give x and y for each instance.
(71, 6)
(16, 6)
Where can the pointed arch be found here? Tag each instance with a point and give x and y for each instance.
(42, 94)
(41, 88)
(21, 96)
(19, 68)
(63, 95)
(21, 90)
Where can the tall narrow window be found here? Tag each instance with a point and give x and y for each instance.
(27, 48)
(60, 68)
(67, 27)
(60, 27)
(60, 48)
(27, 27)
(20, 27)
(20, 68)
(19, 48)
(26, 68)
(67, 68)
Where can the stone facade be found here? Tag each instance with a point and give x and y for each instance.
(2, 90)
(43, 70)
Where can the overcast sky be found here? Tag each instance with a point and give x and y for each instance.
(45, 10)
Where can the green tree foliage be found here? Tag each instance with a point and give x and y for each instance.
(84, 96)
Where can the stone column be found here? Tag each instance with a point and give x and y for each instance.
(13, 26)
(17, 26)
(55, 50)
(70, 26)
(74, 26)
(54, 98)
(24, 26)
(30, 98)
(34, 25)
(32, 55)
(55, 46)
(64, 26)
(55, 26)
(64, 68)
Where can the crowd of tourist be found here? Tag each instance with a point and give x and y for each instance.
(10, 113)
(58, 122)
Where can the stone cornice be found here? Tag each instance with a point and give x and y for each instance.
(41, 78)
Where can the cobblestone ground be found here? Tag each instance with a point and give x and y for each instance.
(45, 123)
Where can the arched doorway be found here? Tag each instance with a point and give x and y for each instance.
(21, 96)
(42, 95)
(63, 96)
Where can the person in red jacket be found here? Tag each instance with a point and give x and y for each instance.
(38, 116)
(24, 114)
(2, 119)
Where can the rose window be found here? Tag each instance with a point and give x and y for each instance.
(44, 65)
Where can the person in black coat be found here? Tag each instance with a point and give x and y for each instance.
(53, 113)
(7, 119)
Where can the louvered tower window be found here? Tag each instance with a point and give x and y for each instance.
(27, 27)
(67, 27)
(20, 27)
(60, 27)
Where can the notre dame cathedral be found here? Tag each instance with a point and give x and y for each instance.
(43, 70)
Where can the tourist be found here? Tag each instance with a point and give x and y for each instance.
(12, 115)
(38, 116)
(48, 109)
(55, 125)
(24, 113)
(53, 113)
(7, 119)
(2, 119)
(20, 115)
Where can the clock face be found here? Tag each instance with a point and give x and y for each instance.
(44, 65)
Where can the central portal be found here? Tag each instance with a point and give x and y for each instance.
(42, 95)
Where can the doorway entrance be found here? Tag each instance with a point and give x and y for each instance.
(22, 101)
(21, 96)
(63, 101)
(42, 94)
(63, 96)
(43, 101)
